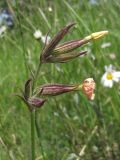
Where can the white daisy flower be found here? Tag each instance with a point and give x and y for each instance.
(110, 76)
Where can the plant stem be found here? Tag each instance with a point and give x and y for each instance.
(32, 134)
(35, 112)
(38, 133)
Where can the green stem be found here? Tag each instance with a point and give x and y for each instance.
(33, 134)
(35, 112)
(39, 134)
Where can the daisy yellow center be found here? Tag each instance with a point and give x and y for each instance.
(109, 76)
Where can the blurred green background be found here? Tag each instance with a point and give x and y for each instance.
(71, 126)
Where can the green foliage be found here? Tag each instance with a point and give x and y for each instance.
(68, 121)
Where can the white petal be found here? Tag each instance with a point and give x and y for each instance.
(106, 68)
(104, 77)
(116, 74)
(116, 79)
(110, 66)
(108, 83)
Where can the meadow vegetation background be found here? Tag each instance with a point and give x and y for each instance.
(69, 124)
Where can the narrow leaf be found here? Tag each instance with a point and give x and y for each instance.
(27, 88)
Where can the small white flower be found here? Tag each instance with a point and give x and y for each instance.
(110, 76)
(2, 30)
(45, 39)
(112, 56)
(105, 45)
(50, 9)
(37, 34)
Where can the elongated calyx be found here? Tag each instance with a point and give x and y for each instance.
(55, 89)
(55, 53)
(88, 87)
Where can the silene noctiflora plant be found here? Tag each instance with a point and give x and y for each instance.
(35, 96)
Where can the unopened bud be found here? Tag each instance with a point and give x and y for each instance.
(62, 58)
(55, 89)
(69, 46)
(96, 35)
(37, 102)
(48, 50)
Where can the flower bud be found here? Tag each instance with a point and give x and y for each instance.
(96, 35)
(55, 89)
(71, 45)
(54, 42)
(37, 102)
(62, 58)
(54, 53)
(88, 88)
